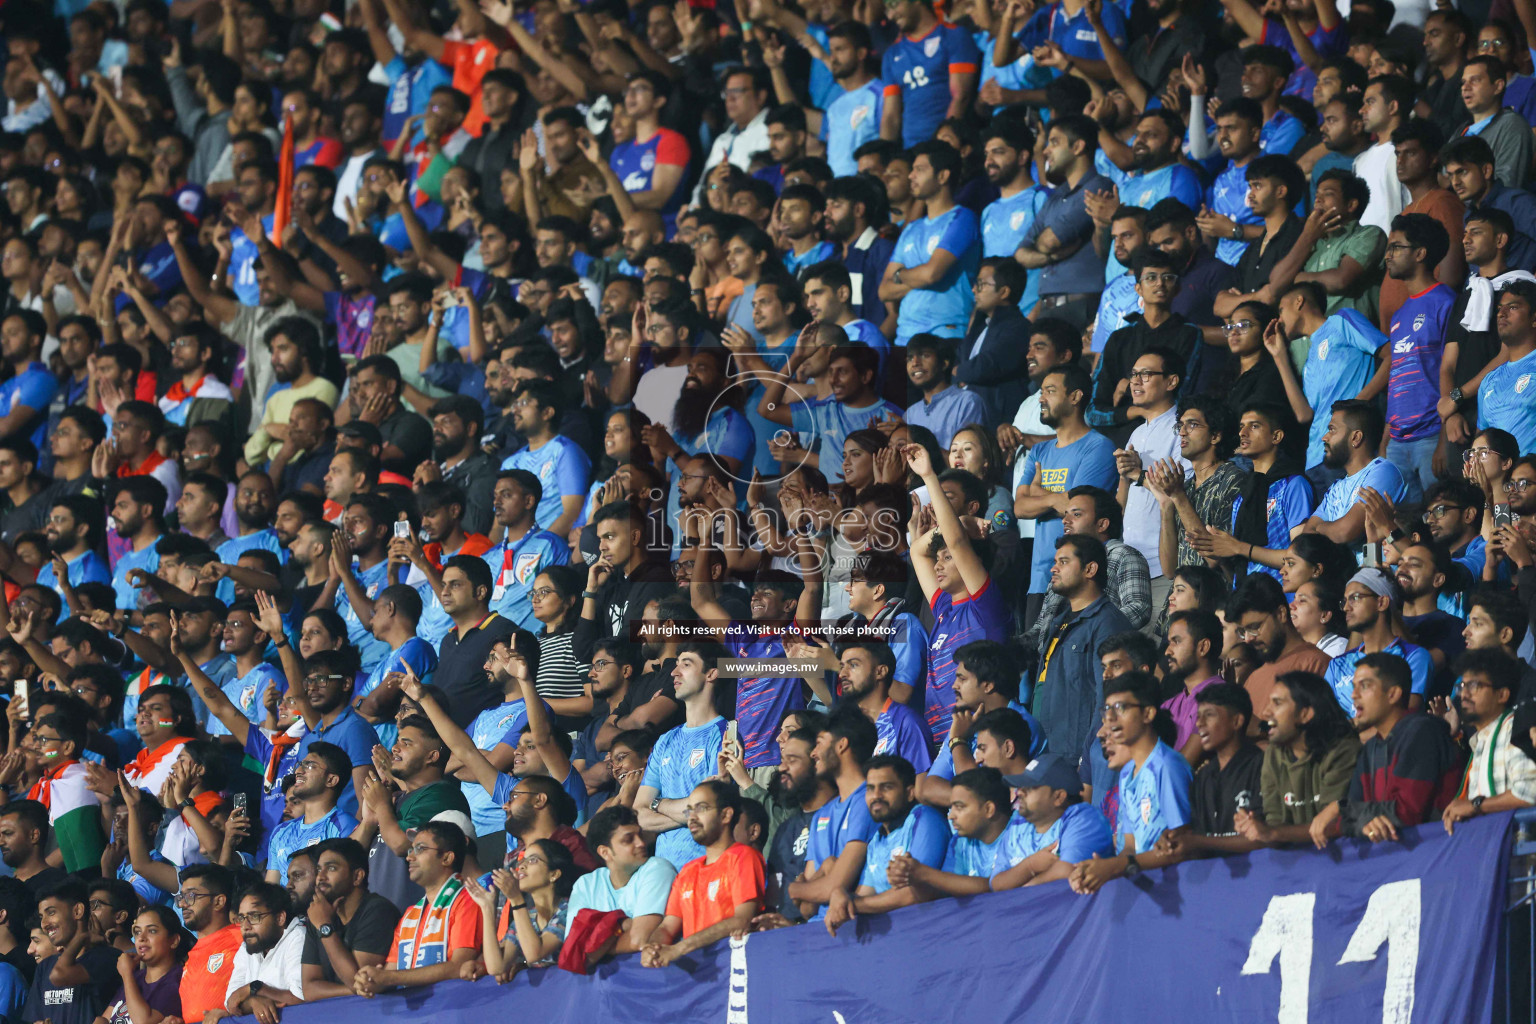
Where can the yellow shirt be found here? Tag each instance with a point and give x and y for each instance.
(261, 446)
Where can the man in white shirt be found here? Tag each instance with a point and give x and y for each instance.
(746, 95)
(1155, 381)
(1385, 107)
(269, 968)
(1052, 343)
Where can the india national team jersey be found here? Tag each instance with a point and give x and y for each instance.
(1175, 181)
(851, 120)
(1418, 342)
(945, 308)
(248, 693)
(682, 758)
(1080, 832)
(923, 835)
(981, 616)
(1341, 357)
(635, 162)
(562, 468)
(1228, 196)
(1004, 223)
(838, 823)
(1507, 400)
(1153, 798)
(922, 67)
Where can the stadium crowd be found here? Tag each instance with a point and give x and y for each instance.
(493, 487)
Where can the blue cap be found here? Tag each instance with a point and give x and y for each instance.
(1047, 770)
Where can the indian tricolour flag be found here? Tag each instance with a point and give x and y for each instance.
(74, 813)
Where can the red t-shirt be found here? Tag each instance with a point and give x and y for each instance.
(704, 894)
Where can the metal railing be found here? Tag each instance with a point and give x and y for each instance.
(1518, 944)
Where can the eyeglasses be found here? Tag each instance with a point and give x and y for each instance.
(1250, 632)
(1164, 278)
(1188, 426)
(104, 905)
(733, 93)
(1118, 708)
(254, 917)
(1141, 376)
(981, 283)
(1400, 247)
(418, 849)
(541, 593)
(187, 897)
(1469, 683)
(1357, 597)
(1474, 453)
(1492, 44)
(1513, 485)
(1439, 512)
(532, 858)
(1239, 325)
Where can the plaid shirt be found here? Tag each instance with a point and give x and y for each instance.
(1129, 589)
(1511, 771)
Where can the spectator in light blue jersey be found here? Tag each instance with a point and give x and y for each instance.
(1350, 445)
(1344, 357)
(559, 463)
(1153, 787)
(1226, 218)
(981, 815)
(1064, 831)
(904, 827)
(1008, 148)
(930, 272)
(854, 404)
(863, 106)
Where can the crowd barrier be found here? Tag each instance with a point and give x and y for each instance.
(1400, 932)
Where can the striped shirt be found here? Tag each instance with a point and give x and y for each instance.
(1510, 771)
(560, 675)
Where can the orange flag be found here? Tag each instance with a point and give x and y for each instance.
(284, 211)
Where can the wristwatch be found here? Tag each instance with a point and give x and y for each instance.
(255, 987)
(1132, 868)
(1477, 804)
(1455, 395)
(656, 804)
(1237, 231)
(326, 930)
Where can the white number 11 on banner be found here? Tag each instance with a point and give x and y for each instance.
(1391, 917)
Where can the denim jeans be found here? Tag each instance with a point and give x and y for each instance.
(1415, 459)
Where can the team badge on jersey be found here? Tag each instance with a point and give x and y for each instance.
(858, 116)
(526, 567)
(696, 758)
(1418, 322)
(1016, 221)
(931, 47)
(1522, 383)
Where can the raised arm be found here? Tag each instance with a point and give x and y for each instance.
(459, 742)
(556, 763)
(972, 572)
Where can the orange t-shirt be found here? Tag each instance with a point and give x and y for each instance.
(205, 978)
(704, 894)
(470, 62)
(429, 934)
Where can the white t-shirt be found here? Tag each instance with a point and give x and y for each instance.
(1154, 439)
(280, 967)
(1026, 421)
(1377, 167)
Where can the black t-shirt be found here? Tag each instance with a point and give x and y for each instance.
(412, 434)
(1260, 257)
(19, 959)
(650, 685)
(1219, 793)
(44, 882)
(76, 1004)
(786, 859)
(371, 930)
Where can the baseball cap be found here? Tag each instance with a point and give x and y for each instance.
(1047, 770)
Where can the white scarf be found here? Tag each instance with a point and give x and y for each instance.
(1480, 289)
